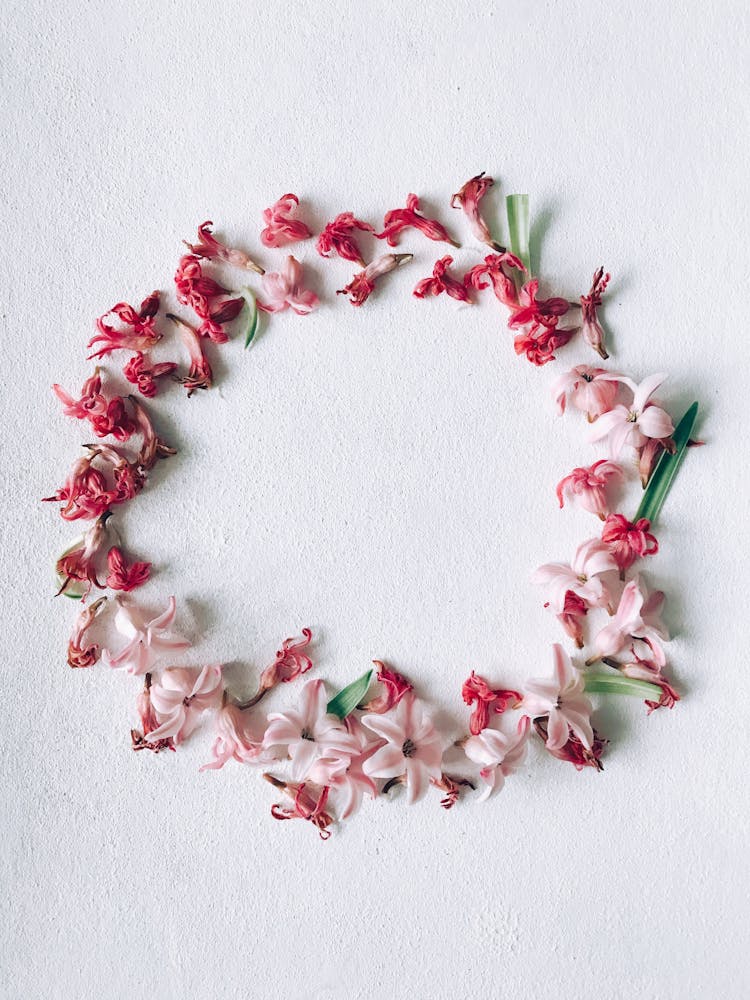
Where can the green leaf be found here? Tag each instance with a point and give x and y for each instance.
(619, 684)
(251, 306)
(666, 469)
(517, 207)
(348, 698)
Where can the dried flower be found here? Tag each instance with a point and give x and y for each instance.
(281, 228)
(540, 342)
(285, 291)
(412, 747)
(399, 219)
(210, 248)
(142, 373)
(476, 690)
(306, 805)
(80, 655)
(649, 670)
(442, 281)
(194, 289)
(591, 329)
(574, 751)
(562, 700)
(498, 268)
(337, 238)
(362, 284)
(628, 541)
(149, 722)
(590, 486)
(468, 199)
(82, 561)
(199, 374)
(537, 312)
(123, 575)
(90, 403)
(395, 687)
(148, 641)
(141, 334)
(289, 663)
(152, 447)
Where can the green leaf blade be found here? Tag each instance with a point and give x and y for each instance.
(251, 306)
(619, 684)
(517, 207)
(666, 469)
(348, 698)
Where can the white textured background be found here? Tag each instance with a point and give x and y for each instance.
(384, 475)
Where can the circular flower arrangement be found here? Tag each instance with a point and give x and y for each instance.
(330, 752)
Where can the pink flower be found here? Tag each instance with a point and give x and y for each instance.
(362, 284)
(239, 736)
(591, 390)
(591, 329)
(395, 686)
(336, 237)
(306, 805)
(442, 281)
(85, 493)
(149, 722)
(636, 423)
(412, 747)
(290, 662)
(212, 321)
(141, 373)
(152, 447)
(123, 575)
(499, 754)
(627, 541)
(90, 403)
(80, 655)
(574, 610)
(180, 697)
(345, 774)
(210, 248)
(538, 312)
(147, 640)
(574, 751)
(591, 559)
(199, 374)
(115, 420)
(399, 219)
(561, 698)
(590, 486)
(468, 199)
(499, 268)
(648, 670)
(285, 291)
(194, 289)
(82, 561)
(310, 733)
(476, 689)
(281, 228)
(637, 617)
(141, 333)
(540, 342)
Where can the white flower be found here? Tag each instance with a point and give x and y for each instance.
(561, 697)
(413, 748)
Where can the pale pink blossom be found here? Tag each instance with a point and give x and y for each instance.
(499, 754)
(395, 687)
(591, 328)
(637, 617)
(476, 691)
(412, 747)
(582, 576)
(149, 723)
(337, 237)
(591, 390)
(281, 228)
(210, 248)
(284, 290)
(399, 219)
(344, 773)
(239, 736)
(180, 697)
(468, 199)
(362, 284)
(79, 653)
(148, 640)
(310, 732)
(561, 698)
(591, 486)
(636, 423)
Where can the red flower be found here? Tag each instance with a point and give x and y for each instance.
(306, 805)
(628, 541)
(91, 401)
(540, 343)
(141, 333)
(199, 375)
(468, 199)
(337, 237)
(82, 561)
(499, 269)
(362, 284)
(399, 219)
(289, 663)
(124, 576)
(572, 615)
(395, 686)
(591, 328)
(224, 312)
(194, 289)
(152, 447)
(211, 249)
(441, 281)
(281, 228)
(80, 655)
(140, 372)
(539, 312)
(574, 751)
(476, 689)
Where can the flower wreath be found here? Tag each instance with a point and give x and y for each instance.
(362, 742)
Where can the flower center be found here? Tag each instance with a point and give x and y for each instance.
(587, 378)
(307, 735)
(408, 749)
(632, 417)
